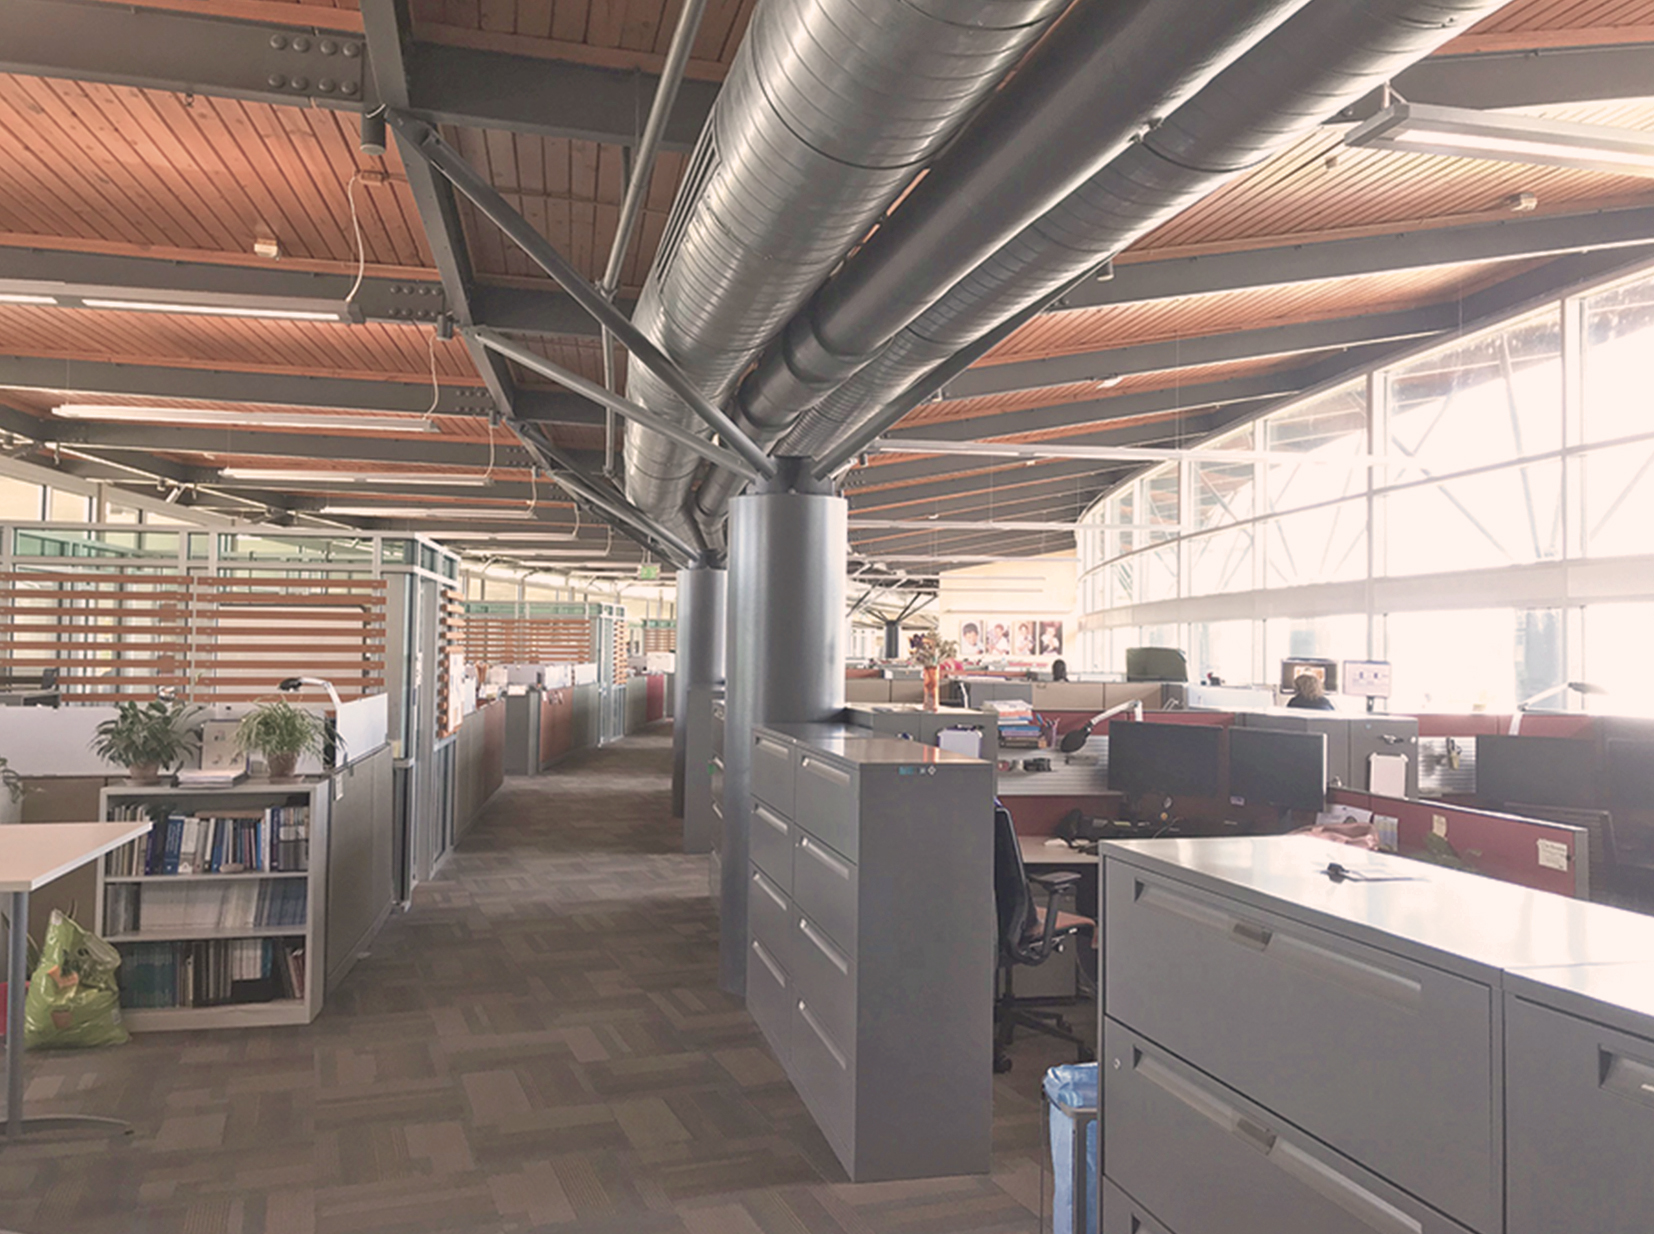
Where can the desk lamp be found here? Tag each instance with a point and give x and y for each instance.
(1582, 687)
(1075, 738)
(292, 685)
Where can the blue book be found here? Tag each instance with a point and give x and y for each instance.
(175, 843)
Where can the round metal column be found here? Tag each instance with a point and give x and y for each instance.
(785, 656)
(700, 657)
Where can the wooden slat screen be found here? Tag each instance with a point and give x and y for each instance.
(660, 636)
(491, 640)
(622, 658)
(451, 622)
(116, 635)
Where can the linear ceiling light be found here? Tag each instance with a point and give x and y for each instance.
(17, 297)
(221, 417)
(938, 524)
(1110, 454)
(293, 475)
(218, 310)
(1464, 132)
(440, 512)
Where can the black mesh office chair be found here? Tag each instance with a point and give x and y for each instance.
(1029, 933)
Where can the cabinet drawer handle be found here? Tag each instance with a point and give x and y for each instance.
(820, 854)
(775, 969)
(1629, 1077)
(765, 816)
(770, 747)
(716, 808)
(822, 945)
(831, 774)
(764, 886)
(826, 1040)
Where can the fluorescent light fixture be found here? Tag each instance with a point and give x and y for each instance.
(962, 559)
(929, 524)
(221, 417)
(218, 310)
(1464, 132)
(1034, 450)
(438, 512)
(17, 297)
(1109, 382)
(294, 475)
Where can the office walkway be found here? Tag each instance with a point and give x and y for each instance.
(538, 1044)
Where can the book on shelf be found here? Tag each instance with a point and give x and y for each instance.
(274, 840)
(211, 777)
(158, 907)
(211, 972)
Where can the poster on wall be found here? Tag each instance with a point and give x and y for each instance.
(1017, 638)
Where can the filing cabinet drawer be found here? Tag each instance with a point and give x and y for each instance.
(772, 773)
(824, 976)
(715, 770)
(1579, 1124)
(1206, 1161)
(827, 803)
(770, 999)
(770, 918)
(824, 888)
(823, 1075)
(771, 845)
(1387, 1060)
(1123, 1215)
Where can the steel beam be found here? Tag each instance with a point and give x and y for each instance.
(1001, 488)
(523, 310)
(296, 65)
(1536, 78)
(1168, 354)
(1507, 239)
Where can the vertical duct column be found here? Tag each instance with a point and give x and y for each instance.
(893, 640)
(700, 659)
(787, 550)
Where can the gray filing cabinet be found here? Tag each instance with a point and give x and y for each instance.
(915, 722)
(715, 807)
(1332, 1054)
(1579, 1099)
(703, 771)
(522, 733)
(872, 924)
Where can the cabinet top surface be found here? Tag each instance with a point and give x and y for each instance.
(858, 746)
(1601, 991)
(1478, 919)
(918, 709)
(33, 854)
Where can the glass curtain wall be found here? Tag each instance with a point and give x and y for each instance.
(1481, 514)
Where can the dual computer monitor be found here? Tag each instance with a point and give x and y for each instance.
(1565, 771)
(1267, 767)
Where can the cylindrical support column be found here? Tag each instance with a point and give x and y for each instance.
(700, 658)
(893, 640)
(786, 654)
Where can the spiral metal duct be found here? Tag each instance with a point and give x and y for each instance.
(829, 109)
(1322, 59)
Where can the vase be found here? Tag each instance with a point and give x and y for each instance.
(143, 773)
(933, 687)
(280, 766)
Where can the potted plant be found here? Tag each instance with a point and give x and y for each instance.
(12, 793)
(929, 650)
(281, 733)
(148, 738)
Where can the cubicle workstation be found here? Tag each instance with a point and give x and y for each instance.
(1347, 1042)
(965, 730)
(871, 932)
(1358, 745)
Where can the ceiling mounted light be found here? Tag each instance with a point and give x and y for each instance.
(219, 310)
(1055, 449)
(294, 475)
(223, 418)
(372, 511)
(18, 297)
(1463, 132)
(1109, 382)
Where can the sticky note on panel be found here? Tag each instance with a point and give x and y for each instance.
(1553, 854)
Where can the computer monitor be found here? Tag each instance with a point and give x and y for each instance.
(1630, 774)
(1326, 670)
(1546, 771)
(1156, 664)
(1367, 678)
(1176, 760)
(1270, 767)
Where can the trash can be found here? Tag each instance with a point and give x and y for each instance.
(1071, 1092)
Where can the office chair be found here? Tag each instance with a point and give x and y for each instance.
(1028, 935)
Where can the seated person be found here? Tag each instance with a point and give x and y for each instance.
(1309, 694)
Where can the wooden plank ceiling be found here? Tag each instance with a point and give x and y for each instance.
(137, 172)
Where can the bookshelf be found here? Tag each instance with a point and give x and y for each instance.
(219, 911)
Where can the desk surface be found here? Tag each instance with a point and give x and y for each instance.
(1036, 852)
(33, 854)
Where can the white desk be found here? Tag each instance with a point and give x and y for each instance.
(32, 855)
(1036, 852)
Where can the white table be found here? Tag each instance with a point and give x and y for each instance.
(32, 855)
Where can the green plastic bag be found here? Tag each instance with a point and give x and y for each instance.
(73, 1001)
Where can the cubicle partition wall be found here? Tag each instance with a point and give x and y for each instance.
(480, 762)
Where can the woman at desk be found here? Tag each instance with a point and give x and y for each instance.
(1309, 694)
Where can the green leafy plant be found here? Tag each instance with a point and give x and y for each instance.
(928, 649)
(155, 734)
(11, 782)
(280, 731)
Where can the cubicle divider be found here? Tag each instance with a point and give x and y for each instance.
(1529, 852)
(479, 763)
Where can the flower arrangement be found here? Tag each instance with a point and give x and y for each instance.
(929, 650)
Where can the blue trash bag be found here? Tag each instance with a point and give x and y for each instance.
(1073, 1085)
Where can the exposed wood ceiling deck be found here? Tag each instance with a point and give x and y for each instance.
(154, 181)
